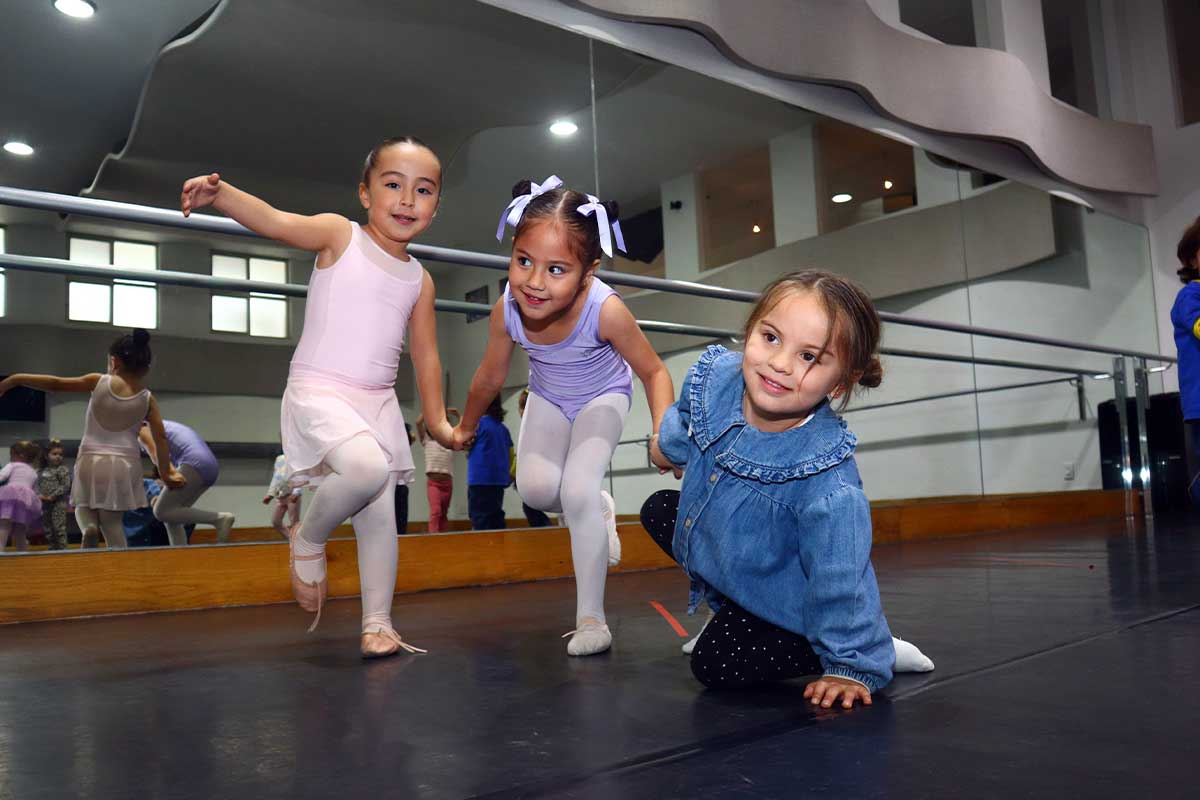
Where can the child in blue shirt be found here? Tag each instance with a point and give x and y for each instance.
(772, 524)
(1185, 317)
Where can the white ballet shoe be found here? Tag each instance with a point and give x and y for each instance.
(610, 522)
(909, 658)
(224, 525)
(589, 637)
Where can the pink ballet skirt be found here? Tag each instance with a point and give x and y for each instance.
(108, 482)
(318, 414)
(21, 505)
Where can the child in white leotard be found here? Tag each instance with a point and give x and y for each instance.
(108, 469)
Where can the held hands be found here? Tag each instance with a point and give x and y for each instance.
(199, 192)
(661, 461)
(825, 691)
(174, 479)
(463, 438)
(443, 434)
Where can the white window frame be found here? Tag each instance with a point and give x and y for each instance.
(112, 285)
(247, 299)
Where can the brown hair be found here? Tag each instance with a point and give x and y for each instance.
(25, 451)
(854, 326)
(54, 444)
(373, 156)
(133, 351)
(1189, 246)
(561, 205)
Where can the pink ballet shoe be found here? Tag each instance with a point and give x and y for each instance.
(385, 642)
(310, 596)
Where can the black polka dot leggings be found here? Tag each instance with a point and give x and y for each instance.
(737, 649)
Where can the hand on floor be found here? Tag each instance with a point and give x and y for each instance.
(825, 691)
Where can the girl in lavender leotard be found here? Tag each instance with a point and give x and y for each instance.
(582, 342)
(194, 458)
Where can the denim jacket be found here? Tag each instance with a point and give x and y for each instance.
(777, 522)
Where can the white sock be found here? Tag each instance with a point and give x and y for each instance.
(309, 570)
(909, 658)
(691, 643)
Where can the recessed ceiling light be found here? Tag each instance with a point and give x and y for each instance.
(563, 127)
(18, 148)
(756, 229)
(81, 9)
(887, 184)
(842, 198)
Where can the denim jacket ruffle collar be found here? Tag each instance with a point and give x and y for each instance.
(714, 402)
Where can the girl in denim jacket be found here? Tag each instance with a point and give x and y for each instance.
(772, 524)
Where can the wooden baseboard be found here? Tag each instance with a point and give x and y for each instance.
(82, 584)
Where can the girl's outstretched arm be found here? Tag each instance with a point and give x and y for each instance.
(427, 363)
(50, 383)
(489, 377)
(325, 234)
(620, 329)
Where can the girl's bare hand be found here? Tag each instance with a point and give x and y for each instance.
(199, 192)
(825, 692)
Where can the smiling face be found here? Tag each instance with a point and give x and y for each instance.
(544, 274)
(402, 193)
(786, 373)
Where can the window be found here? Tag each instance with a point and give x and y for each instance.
(120, 302)
(3, 298)
(255, 313)
(948, 21)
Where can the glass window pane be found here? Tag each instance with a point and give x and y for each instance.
(135, 306)
(90, 251)
(268, 269)
(135, 255)
(268, 317)
(229, 314)
(1184, 20)
(228, 266)
(89, 302)
(948, 21)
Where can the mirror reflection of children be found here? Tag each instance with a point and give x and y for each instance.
(108, 468)
(439, 473)
(195, 459)
(54, 487)
(20, 505)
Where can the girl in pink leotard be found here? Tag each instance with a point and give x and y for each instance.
(342, 427)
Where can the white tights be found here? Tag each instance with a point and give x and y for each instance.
(174, 507)
(560, 467)
(94, 521)
(361, 488)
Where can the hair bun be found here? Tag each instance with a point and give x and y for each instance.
(141, 337)
(522, 187)
(613, 210)
(873, 375)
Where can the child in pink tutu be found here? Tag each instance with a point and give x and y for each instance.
(108, 469)
(20, 505)
(341, 423)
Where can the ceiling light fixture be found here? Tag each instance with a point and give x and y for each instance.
(842, 198)
(80, 9)
(563, 127)
(756, 229)
(18, 148)
(887, 184)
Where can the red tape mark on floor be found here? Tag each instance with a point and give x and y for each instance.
(674, 623)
